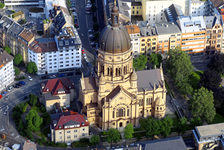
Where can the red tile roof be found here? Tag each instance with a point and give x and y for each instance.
(38, 47)
(70, 118)
(56, 85)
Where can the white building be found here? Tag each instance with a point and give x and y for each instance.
(9, 3)
(134, 33)
(197, 8)
(63, 53)
(49, 5)
(7, 74)
(153, 10)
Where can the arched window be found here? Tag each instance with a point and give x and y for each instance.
(120, 112)
(117, 72)
(113, 113)
(108, 71)
(102, 69)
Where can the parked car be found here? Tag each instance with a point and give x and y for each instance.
(29, 77)
(61, 75)
(44, 77)
(90, 31)
(88, 6)
(22, 82)
(4, 93)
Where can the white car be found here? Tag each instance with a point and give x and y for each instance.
(29, 77)
(90, 36)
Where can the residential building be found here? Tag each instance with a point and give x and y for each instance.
(134, 33)
(169, 36)
(59, 91)
(136, 8)
(149, 38)
(125, 10)
(29, 145)
(198, 8)
(63, 53)
(165, 144)
(5, 23)
(68, 127)
(17, 16)
(153, 11)
(214, 33)
(117, 95)
(10, 3)
(209, 136)
(7, 74)
(25, 38)
(193, 31)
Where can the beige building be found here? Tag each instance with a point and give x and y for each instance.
(68, 127)
(214, 33)
(18, 16)
(118, 95)
(59, 91)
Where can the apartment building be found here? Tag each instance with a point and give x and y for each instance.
(214, 33)
(59, 91)
(5, 23)
(169, 36)
(149, 38)
(7, 74)
(198, 8)
(68, 127)
(193, 31)
(134, 33)
(153, 11)
(136, 8)
(10, 3)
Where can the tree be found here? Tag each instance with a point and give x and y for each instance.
(210, 80)
(217, 63)
(182, 125)
(202, 105)
(2, 5)
(194, 79)
(7, 49)
(139, 63)
(25, 105)
(196, 121)
(128, 131)
(166, 125)
(155, 59)
(151, 126)
(179, 66)
(113, 136)
(95, 139)
(219, 98)
(17, 71)
(33, 120)
(33, 100)
(18, 59)
(31, 67)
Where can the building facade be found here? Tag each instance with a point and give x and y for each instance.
(9, 3)
(68, 127)
(118, 95)
(7, 73)
(59, 91)
(193, 34)
(134, 33)
(198, 8)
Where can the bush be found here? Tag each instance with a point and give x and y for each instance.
(17, 71)
(7, 49)
(2, 5)
(20, 78)
(31, 67)
(18, 59)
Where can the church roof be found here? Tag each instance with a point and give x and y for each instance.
(115, 91)
(90, 83)
(147, 79)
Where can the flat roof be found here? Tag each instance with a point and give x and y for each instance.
(210, 130)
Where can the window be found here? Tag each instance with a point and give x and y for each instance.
(68, 137)
(75, 136)
(120, 112)
(68, 131)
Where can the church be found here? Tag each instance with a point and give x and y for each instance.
(117, 94)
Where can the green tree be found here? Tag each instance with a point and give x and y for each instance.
(95, 139)
(33, 120)
(202, 104)
(17, 71)
(18, 59)
(25, 105)
(179, 66)
(151, 126)
(139, 63)
(128, 131)
(166, 125)
(181, 125)
(194, 79)
(2, 5)
(196, 121)
(113, 136)
(217, 63)
(210, 80)
(155, 59)
(33, 100)
(31, 67)
(7, 49)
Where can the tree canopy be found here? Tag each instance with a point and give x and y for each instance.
(139, 63)
(7, 49)
(33, 120)
(217, 63)
(95, 139)
(17, 71)
(210, 80)
(128, 131)
(155, 59)
(179, 66)
(2, 5)
(202, 104)
(31, 67)
(18, 59)
(113, 136)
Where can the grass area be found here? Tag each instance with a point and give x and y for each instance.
(218, 119)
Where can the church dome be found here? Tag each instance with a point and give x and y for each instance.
(114, 40)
